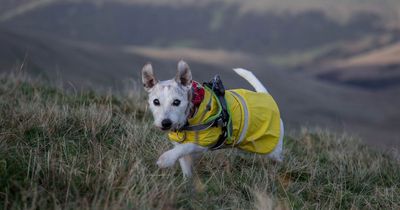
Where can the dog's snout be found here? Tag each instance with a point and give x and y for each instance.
(166, 123)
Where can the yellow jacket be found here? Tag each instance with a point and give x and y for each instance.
(255, 121)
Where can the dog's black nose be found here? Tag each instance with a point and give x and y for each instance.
(166, 123)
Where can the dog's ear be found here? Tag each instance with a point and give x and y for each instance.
(184, 75)
(148, 78)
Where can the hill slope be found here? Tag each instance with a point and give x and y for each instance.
(217, 26)
(375, 69)
(339, 10)
(81, 64)
(82, 150)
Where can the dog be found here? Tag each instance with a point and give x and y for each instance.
(242, 119)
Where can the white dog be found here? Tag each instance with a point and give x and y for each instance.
(206, 117)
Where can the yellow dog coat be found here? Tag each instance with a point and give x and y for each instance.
(255, 121)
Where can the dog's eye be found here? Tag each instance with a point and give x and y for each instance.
(156, 102)
(176, 102)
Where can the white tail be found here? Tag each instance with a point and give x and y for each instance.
(247, 75)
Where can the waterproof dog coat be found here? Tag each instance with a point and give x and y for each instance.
(254, 116)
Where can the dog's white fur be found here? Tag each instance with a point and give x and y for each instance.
(177, 89)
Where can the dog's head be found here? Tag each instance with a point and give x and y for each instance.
(170, 100)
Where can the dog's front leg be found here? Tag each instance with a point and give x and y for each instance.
(186, 163)
(169, 157)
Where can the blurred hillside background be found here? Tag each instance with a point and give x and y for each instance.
(329, 63)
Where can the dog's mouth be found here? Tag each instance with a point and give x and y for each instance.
(173, 128)
(164, 129)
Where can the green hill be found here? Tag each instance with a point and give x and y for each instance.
(81, 150)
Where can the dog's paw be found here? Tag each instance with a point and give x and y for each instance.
(167, 160)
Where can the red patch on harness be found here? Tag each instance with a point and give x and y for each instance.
(198, 93)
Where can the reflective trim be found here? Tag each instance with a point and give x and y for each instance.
(246, 117)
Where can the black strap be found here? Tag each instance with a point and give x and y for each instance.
(200, 127)
(218, 88)
(221, 140)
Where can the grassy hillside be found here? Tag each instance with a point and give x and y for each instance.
(82, 150)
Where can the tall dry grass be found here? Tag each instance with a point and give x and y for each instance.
(64, 150)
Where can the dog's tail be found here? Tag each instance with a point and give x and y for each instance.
(247, 75)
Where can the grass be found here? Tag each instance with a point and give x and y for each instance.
(64, 150)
